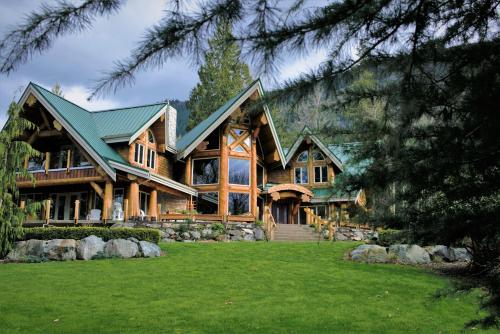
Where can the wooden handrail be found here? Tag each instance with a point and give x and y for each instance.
(312, 218)
(270, 223)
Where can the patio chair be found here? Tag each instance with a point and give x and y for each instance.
(117, 211)
(95, 215)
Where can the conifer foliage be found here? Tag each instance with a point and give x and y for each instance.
(12, 155)
(222, 76)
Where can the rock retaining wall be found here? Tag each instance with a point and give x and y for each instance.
(353, 234)
(89, 248)
(199, 231)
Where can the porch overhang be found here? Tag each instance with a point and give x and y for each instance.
(290, 191)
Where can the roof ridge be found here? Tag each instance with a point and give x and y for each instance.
(132, 107)
(62, 98)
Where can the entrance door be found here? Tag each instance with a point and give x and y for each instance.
(64, 205)
(280, 213)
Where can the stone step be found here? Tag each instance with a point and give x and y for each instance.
(289, 232)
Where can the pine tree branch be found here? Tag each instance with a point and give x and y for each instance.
(44, 26)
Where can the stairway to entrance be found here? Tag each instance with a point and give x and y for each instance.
(293, 232)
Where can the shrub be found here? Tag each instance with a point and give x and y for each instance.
(48, 233)
(391, 237)
(259, 223)
(217, 228)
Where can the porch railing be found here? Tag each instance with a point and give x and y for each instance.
(318, 222)
(60, 176)
(269, 223)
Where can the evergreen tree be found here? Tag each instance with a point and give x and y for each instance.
(222, 76)
(12, 154)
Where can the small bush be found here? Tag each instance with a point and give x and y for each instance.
(48, 233)
(218, 227)
(259, 223)
(391, 237)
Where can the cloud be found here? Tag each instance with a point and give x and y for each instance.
(78, 95)
(303, 65)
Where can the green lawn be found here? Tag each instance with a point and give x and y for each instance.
(229, 287)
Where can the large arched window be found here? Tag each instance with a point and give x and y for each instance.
(303, 156)
(318, 156)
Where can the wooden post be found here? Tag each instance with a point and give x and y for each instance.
(188, 171)
(253, 178)
(125, 209)
(108, 201)
(68, 162)
(47, 162)
(133, 199)
(158, 212)
(47, 211)
(26, 162)
(22, 205)
(77, 211)
(330, 231)
(223, 177)
(153, 204)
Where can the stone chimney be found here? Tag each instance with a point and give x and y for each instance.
(171, 126)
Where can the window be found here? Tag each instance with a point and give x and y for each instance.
(320, 174)
(260, 176)
(207, 203)
(239, 149)
(230, 139)
(139, 154)
(144, 202)
(59, 159)
(239, 171)
(303, 156)
(301, 175)
(151, 161)
(213, 140)
(318, 156)
(151, 137)
(36, 163)
(79, 159)
(118, 196)
(206, 171)
(238, 203)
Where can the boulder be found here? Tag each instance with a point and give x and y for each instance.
(236, 238)
(167, 240)
(248, 237)
(438, 252)
(89, 247)
(259, 234)
(195, 235)
(247, 231)
(149, 249)
(206, 233)
(370, 254)
(340, 236)
(186, 236)
(358, 236)
(25, 249)
(409, 254)
(170, 231)
(133, 240)
(61, 249)
(460, 254)
(235, 233)
(121, 248)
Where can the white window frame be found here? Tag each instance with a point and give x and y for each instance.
(323, 158)
(307, 156)
(321, 174)
(192, 171)
(263, 174)
(151, 158)
(249, 172)
(147, 195)
(301, 175)
(139, 156)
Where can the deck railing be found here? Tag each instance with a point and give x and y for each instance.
(269, 223)
(318, 222)
(60, 176)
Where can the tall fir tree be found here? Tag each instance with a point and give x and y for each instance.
(12, 155)
(222, 76)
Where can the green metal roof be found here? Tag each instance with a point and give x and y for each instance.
(124, 122)
(186, 140)
(82, 123)
(332, 194)
(345, 153)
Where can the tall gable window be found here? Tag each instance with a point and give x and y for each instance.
(239, 171)
(139, 153)
(151, 137)
(205, 171)
(151, 160)
(320, 174)
(303, 156)
(301, 175)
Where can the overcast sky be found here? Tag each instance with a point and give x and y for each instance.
(76, 61)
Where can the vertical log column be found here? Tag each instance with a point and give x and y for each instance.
(188, 171)
(133, 199)
(253, 179)
(153, 205)
(223, 181)
(108, 201)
